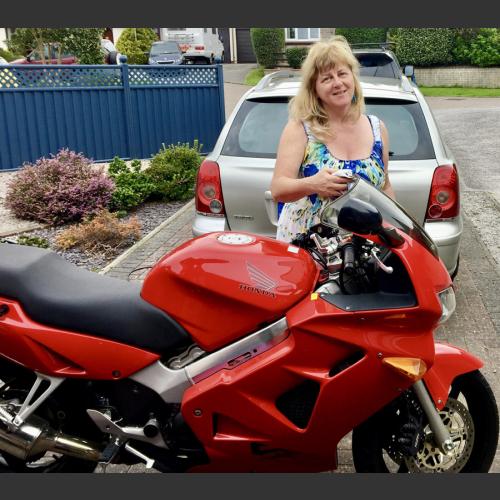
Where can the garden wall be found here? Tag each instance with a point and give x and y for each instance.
(458, 76)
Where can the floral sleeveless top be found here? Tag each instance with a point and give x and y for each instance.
(298, 216)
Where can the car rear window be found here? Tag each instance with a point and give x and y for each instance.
(380, 65)
(256, 129)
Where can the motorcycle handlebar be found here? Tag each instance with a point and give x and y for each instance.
(348, 257)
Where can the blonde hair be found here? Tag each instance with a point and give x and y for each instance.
(322, 57)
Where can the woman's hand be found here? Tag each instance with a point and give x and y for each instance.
(327, 184)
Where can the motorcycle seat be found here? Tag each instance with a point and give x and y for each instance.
(56, 293)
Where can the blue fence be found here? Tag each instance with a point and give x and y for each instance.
(106, 111)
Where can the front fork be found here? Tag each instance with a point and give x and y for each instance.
(442, 437)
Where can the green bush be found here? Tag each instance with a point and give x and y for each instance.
(136, 43)
(173, 170)
(268, 45)
(132, 186)
(295, 56)
(9, 56)
(423, 46)
(363, 35)
(85, 44)
(485, 48)
(33, 241)
(461, 45)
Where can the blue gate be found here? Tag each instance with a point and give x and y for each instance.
(106, 111)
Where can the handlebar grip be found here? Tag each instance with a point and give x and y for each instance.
(348, 257)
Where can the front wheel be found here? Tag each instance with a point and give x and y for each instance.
(470, 414)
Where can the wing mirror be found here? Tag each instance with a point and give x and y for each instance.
(409, 71)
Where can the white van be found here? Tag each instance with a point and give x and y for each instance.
(199, 45)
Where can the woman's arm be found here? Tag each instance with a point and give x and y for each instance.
(387, 189)
(285, 185)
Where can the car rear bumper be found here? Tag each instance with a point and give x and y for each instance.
(204, 224)
(446, 235)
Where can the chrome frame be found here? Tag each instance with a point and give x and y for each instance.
(171, 384)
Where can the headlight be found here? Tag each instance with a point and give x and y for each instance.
(448, 304)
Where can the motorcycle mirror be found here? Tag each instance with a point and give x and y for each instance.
(358, 216)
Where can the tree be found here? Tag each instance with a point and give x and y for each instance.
(83, 43)
(136, 43)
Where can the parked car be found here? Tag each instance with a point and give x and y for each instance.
(165, 52)
(108, 49)
(199, 45)
(50, 55)
(3, 60)
(233, 181)
(379, 60)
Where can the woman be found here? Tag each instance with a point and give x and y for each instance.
(327, 132)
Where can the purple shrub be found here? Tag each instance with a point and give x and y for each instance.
(63, 188)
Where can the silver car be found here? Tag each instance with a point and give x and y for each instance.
(233, 182)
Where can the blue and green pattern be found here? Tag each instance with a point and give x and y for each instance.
(298, 216)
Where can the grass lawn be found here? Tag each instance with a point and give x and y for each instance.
(254, 76)
(459, 91)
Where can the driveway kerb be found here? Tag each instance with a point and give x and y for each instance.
(150, 235)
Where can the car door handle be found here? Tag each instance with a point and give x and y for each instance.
(271, 208)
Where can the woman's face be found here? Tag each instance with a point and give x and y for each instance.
(335, 87)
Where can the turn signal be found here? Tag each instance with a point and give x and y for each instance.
(412, 368)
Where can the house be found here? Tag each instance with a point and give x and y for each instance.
(5, 34)
(238, 44)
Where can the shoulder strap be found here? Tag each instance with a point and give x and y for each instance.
(375, 123)
(307, 129)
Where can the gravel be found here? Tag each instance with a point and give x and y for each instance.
(150, 214)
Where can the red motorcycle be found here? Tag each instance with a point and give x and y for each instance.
(242, 353)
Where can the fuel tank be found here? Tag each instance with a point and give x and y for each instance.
(223, 286)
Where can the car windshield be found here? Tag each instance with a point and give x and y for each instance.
(164, 48)
(256, 129)
(393, 214)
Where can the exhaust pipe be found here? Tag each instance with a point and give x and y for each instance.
(35, 437)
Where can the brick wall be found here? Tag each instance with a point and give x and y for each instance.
(459, 76)
(326, 33)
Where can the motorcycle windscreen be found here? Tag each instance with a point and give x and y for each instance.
(393, 214)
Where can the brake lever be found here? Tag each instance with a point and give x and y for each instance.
(386, 269)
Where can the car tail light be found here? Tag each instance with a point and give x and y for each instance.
(199, 47)
(444, 198)
(209, 200)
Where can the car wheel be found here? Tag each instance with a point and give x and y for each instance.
(113, 58)
(455, 272)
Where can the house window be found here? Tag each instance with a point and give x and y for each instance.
(302, 34)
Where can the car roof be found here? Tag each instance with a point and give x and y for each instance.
(286, 84)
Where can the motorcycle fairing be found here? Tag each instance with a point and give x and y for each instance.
(61, 353)
(449, 363)
(236, 413)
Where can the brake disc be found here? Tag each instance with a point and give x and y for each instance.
(430, 458)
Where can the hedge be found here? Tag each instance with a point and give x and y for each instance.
(268, 45)
(363, 35)
(423, 46)
(295, 56)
